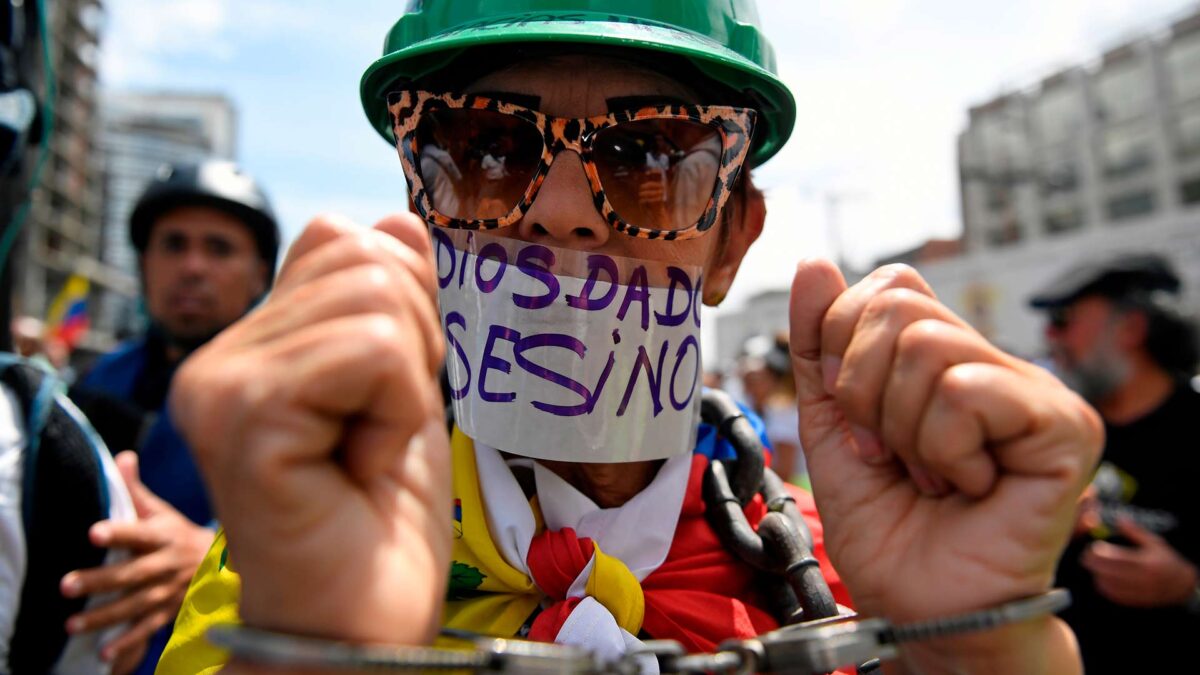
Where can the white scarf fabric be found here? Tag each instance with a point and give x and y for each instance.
(638, 533)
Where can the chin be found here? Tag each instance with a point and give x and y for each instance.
(190, 333)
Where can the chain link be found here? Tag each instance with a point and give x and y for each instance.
(782, 544)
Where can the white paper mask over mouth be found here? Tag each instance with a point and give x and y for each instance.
(568, 355)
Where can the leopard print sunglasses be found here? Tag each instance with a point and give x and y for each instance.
(658, 172)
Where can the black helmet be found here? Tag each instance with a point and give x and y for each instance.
(216, 183)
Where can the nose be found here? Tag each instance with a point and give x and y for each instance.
(194, 261)
(564, 211)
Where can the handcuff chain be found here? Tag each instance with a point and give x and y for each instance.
(808, 649)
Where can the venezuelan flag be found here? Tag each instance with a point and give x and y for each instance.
(67, 320)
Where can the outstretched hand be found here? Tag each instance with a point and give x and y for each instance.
(1149, 573)
(166, 549)
(946, 471)
(317, 420)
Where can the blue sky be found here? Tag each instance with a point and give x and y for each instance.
(883, 87)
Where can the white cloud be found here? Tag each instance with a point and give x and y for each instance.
(141, 33)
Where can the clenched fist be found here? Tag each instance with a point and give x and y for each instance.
(946, 471)
(318, 423)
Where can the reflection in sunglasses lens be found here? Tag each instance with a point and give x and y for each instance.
(658, 174)
(476, 164)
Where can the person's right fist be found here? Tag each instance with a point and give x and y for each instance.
(318, 423)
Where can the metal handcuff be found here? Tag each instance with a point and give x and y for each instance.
(817, 635)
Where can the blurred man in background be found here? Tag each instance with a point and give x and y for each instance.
(1118, 338)
(207, 241)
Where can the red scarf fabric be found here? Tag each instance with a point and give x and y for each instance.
(701, 595)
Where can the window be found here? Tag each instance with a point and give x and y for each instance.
(999, 197)
(1125, 90)
(1004, 141)
(1059, 178)
(1064, 220)
(1059, 114)
(1183, 66)
(1131, 205)
(1187, 132)
(1189, 191)
(1007, 232)
(1127, 151)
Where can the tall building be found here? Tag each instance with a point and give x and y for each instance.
(62, 235)
(1111, 145)
(1094, 159)
(139, 133)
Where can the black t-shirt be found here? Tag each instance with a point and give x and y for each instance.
(1150, 472)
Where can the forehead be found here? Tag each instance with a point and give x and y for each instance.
(200, 221)
(580, 85)
(1090, 306)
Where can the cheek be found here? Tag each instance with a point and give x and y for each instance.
(690, 252)
(158, 274)
(1080, 339)
(241, 278)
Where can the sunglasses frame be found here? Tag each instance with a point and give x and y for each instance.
(735, 126)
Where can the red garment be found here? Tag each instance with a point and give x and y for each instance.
(701, 595)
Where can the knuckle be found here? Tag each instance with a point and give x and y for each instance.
(376, 283)
(895, 305)
(324, 225)
(382, 333)
(921, 341)
(158, 596)
(958, 384)
(898, 274)
(365, 246)
(388, 340)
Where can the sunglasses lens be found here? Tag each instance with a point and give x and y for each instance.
(659, 174)
(476, 164)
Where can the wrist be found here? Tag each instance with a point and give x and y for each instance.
(1041, 646)
(381, 610)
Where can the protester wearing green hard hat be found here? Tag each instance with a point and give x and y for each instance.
(721, 39)
(579, 177)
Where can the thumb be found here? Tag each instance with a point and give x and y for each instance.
(1138, 535)
(815, 287)
(824, 433)
(144, 501)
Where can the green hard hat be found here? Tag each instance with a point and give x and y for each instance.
(721, 38)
